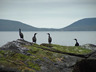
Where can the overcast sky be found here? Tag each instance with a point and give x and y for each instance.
(47, 13)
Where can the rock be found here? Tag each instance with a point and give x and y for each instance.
(89, 46)
(7, 69)
(85, 65)
(64, 63)
(92, 55)
(17, 46)
(70, 60)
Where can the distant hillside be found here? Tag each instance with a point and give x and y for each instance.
(9, 25)
(87, 24)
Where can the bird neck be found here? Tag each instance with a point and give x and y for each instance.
(34, 35)
(49, 35)
(19, 31)
(76, 41)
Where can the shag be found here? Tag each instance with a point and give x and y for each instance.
(21, 34)
(34, 38)
(77, 44)
(49, 38)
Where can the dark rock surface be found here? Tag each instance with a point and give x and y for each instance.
(88, 65)
(16, 46)
(59, 66)
(6, 69)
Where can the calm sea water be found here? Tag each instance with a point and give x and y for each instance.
(62, 38)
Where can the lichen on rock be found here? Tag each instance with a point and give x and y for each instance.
(23, 56)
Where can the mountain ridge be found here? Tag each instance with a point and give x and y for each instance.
(86, 24)
(7, 25)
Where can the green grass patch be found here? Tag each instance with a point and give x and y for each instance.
(27, 63)
(71, 49)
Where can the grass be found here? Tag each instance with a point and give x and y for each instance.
(40, 53)
(26, 63)
(17, 60)
(71, 49)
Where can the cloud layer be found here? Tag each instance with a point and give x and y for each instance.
(47, 13)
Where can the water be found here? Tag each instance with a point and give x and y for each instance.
(62, 38)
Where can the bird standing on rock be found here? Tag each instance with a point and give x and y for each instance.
(77, 44)
(21, 34)
(49, 38)
(34, 38)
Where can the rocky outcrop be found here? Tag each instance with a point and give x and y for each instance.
(16, 46)
(84, 65)
(6, 69)
(65, 63)
(87, 64)
(89, 46)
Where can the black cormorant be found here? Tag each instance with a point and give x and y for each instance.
(77, 44)
(21, 34)
(34, 38)
(49, 38)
